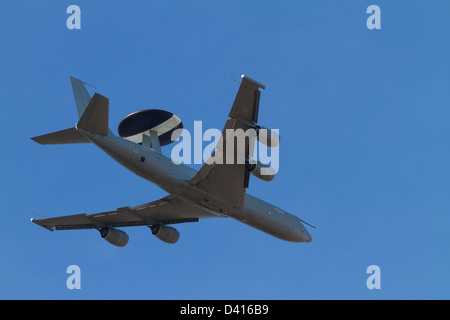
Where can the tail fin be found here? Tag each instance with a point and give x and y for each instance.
(94, 120)
(95, 117)
(80, 94)
(93, 113)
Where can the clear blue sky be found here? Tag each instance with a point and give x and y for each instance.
(364, 117)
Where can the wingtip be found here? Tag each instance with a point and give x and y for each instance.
(42, 225)
(258, 84)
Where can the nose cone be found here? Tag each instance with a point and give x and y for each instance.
(301, 234)
(307, 236)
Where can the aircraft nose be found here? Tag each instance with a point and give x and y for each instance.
(307, 236)
(301, 237)
(304, 235)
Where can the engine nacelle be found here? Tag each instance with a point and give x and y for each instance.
(262, 171)
(165, 233)
(268, 137)
(114, 236)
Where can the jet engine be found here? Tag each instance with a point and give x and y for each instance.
(114, 236)
(165, 233)
(268, 137)
(163, 123)
(262, 171)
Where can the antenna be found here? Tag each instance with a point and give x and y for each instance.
(307, 223)
(40, 215)
(234, 80)
(90, 85)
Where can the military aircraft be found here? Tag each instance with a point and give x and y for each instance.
(216, 190)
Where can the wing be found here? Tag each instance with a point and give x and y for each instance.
(228, 179)
(169, 210)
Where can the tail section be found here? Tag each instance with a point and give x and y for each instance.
(93, 113)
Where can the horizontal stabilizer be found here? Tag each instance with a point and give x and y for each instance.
(66, 136)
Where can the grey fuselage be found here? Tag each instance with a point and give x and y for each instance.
(174, 179)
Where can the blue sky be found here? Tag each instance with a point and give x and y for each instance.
(364, 120)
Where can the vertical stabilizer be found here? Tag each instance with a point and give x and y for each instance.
(80, 94)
